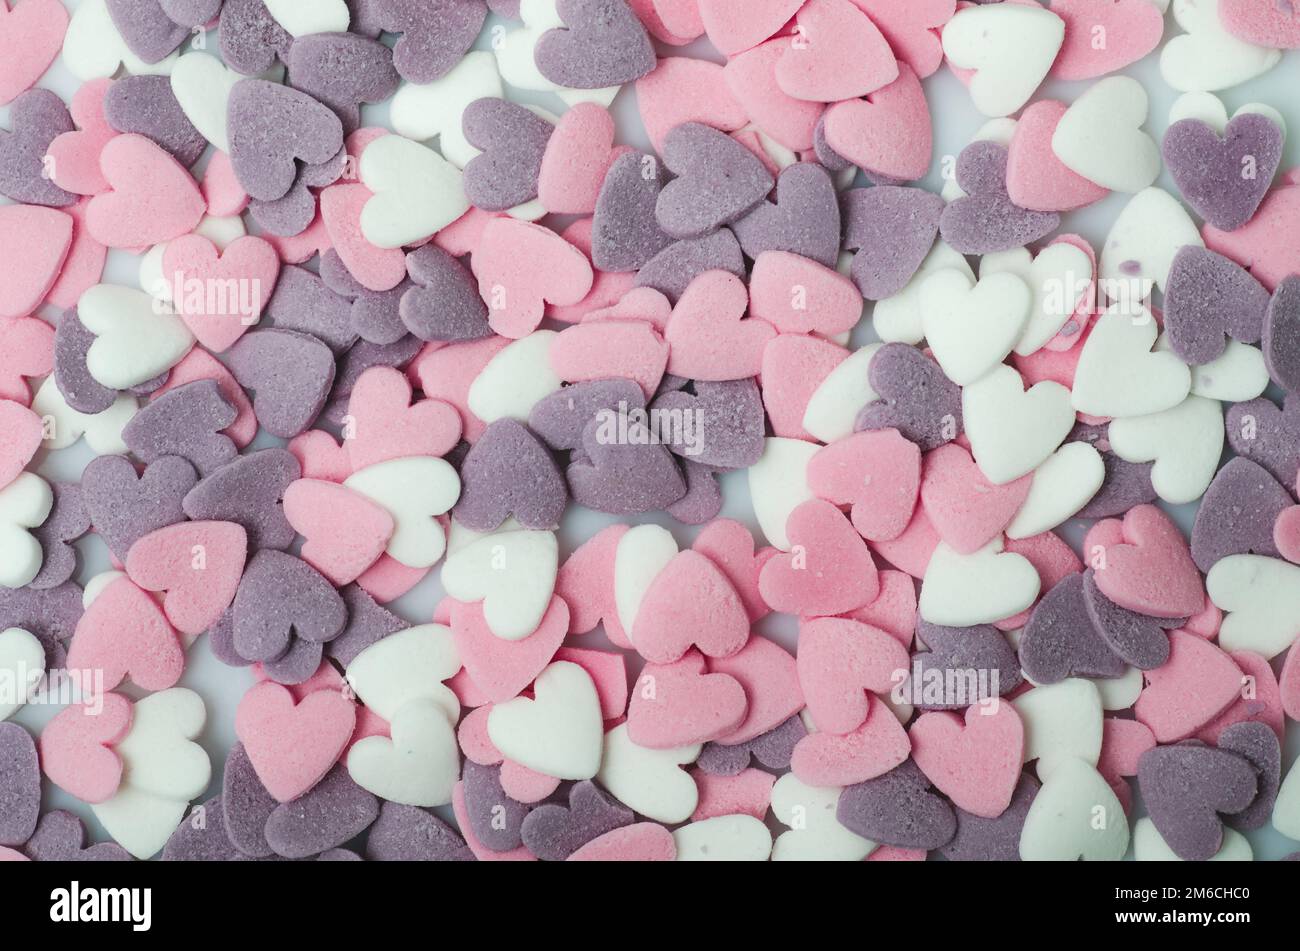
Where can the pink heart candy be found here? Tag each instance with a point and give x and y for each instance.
(385, 424)
(965, 508)
(829, 569)
(1267, 245)
(728, 544)
(345, 532)
(888, 133)
(586, 581)
(873, 749)
(1131, 28)
(292, 746)
(520, 267)
(878, 472)
(34, 243)
(976, 764)
(894, 610)
(124, 633)
(800, 296)
(794, 368)
(1286, 534)
(84, 265)
(689, 603)
(21, 432)
(603, 349)
(1196, 684)
(838, 53)
(320, 456)
(501, 669)
(771, 681)
(642, 842)
(1147, 566)
(840, 663)
(679, 704)
(198, 564)
(220, 296)
(152, 198)
(447, 372)
(76, 747)
(377, 269)
(912, 29)
(26, 352)
(1036, 178)
(708, 338)
(683, 89)
(736, 25)
(31, 36)
(578, 154)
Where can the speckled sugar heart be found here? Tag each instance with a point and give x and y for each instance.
(85, 394)
(374, 315)
(494, 817)
(248, 492)
(124, 505)
(1206, 297)
(20, 785)
(282, 599)
(50, 616)
(603, 44)
(624, 478)
(36, 117)
(434, 35)
(1125, 484)
(411, 834)
(804, 220)
(272, 127)
(718, 181)
(892, 229)
(509, 472)
(513, 141)
(1209, 168)
(246, 804)
(185, 422)
(191, 13)
(1061, 640)
(985, 220)
(147, 105)
(252, 39)
(1237, 514)
(1281, 338)
(915, 398)
(334, 811)
(624, 232)
(553, 832)
(772, 749)
(674, 268)
(342, 71)
(368, 624)
(148, 31)
(1263, 433)
(61, 837)
(560, 419)
(898, 808)
(992, 840)
(305, 303)
(964, 648)
(1187, 788)
(291, 375)
(67, 521)
(1137, 640)
(731, 423)
(444, 304)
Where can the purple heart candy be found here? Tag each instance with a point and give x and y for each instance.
(722, 424)
(249, 492)
(343, 70)
(957, 651)
(124, 506)
(559, 419)
(992, 840)
(624, 232)
(553, 832)
(494, 817)
(1124, 485)
(1281, 338)
(37, 117)
(201, 838)
(513, 141)
(703, 499)
(1135, 638)
(898, 808)
(892, 229)
(718, 181)
(916, 398)
(435, 34)
(804, 220)
(373, 315)
(186, 422)
(335, 810)
(50, 616)
(1237, 514)
(272, 128)
(289, 215)
(191, 13)
(79, 389)
(1061, 639)
(411, 834)
(986, 220)
(147, 105)
(291, 375)
(1206, 297)
(1262, 433)
(773, 749)
(282, 600)
(604, 45)
(61, 837)
(368, 624)
(146, 28)
(1257, 744)
(509, 472)
(1211, 170)
(443, 303)
(251, 39)
(620, 477)
(673, 269)
(1187, 788)
(305, 303)
(20, 785)
(246, 805)
(66, 522)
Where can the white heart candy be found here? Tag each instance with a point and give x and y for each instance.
(1140, 249)
(1059, 277)
(1100, 136)
(1286, 811)
(985, 586)
(557, 733)
(1063, 722)
(1235, 376)
(22, 665)
(512, 573)
(1119, 693)
(1013, 431)
(814, 835)
(1261, 600)
(971, 327)
(435, 109)
(418, 766)
(304, 17)
(1185, 443)
(417, 192)
(834, 406)
(1149, 845)
(64, 425)
(650, 782)
(1062, 485)
(516, 57)
(897, 319)
(516, 379)
(139, 821)
(1011, 48)
(1074, 816)
(407, 667)
(414, 490)
(94, 49)
(158, 754)
(135, 339)
(642, 553)
(738, 838)
(24, 505)
(1207, 57)
(778, 484)
(1209, 108)
(1119, 375)
(202, 86)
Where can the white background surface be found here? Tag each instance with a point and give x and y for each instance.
(955, 121)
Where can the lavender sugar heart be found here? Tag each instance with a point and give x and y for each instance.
(201, 838)
(374, 315)
(191, 13)
(435, 34)
(186, 422)
(124, 505)
(513, 142)
(892, 229)
(1281, 338)
(898, 808)
(289, 215)
(297, 665)
(249, 492)
(560, 418)
(553, 832)
(1237, 514)
(1264, 434)
(509, 472)
(992, 840)
(79, 389)
(291, 375)
(67, 521)
(804, 220)
(718, 181)
(146, 28)
(1206, 297)
(442, 301)
(147, 105)
(335, 810)
(727, 419)
(251, 39)
(20, 785)
(703, 499)
(986, 220)
(282, 599)
(1209, 169)
(832, 160)
(494, 817)
(36, 117)
(343, 71)
(1188, 788)
(624, 232)
(221, 640)
(1124, 484)
(1257, 744)
(624, 478)
(305, 303)
(958, 650)
(601, 44)
(50, 616)
(368, 624)
(61, 837)
(365, 17)
(673, 269)
(272, 128)
(1060, 639)
(773, 749)
(411, 834)
(246, 805)
(916, 398)
(1134, 638)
